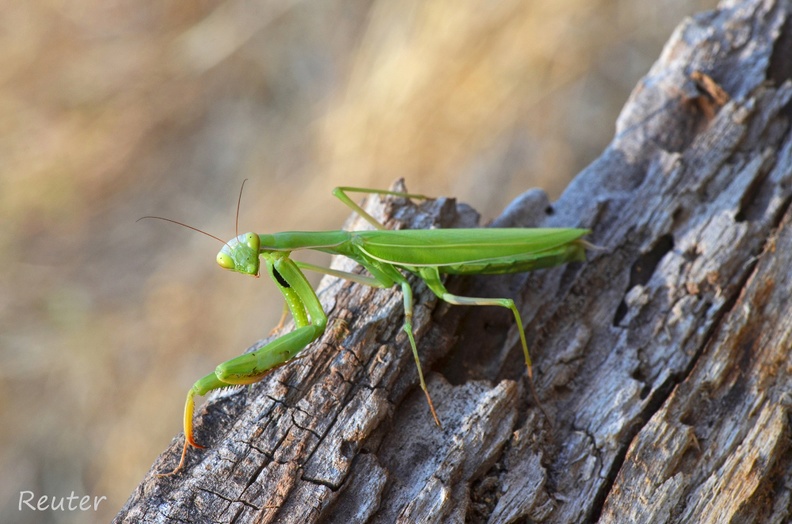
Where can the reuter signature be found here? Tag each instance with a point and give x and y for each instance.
(71, 503)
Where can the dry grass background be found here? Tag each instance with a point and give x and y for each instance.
(114, 110)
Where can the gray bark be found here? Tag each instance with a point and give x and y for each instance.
(661, 361)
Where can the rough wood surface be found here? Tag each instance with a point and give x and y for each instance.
(662, 361)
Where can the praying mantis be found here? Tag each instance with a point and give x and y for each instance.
(386, 255)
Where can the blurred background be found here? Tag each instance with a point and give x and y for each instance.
(111, 110)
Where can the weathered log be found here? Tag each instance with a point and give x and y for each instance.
(662, 361)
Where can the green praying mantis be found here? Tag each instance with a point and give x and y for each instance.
(386, 255)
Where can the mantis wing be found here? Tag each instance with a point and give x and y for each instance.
(482, 250)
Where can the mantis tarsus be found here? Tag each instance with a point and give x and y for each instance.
(384, 254)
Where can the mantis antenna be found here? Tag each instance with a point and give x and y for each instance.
(236, 224)
(239, 202)
(183, 225)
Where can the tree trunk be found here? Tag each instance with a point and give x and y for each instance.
(661, 362)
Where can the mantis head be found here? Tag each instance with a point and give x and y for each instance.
(241, 254)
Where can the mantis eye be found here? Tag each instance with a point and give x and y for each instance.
(225, 261)
(252, 240)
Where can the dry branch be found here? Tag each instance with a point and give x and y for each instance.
(662, 361)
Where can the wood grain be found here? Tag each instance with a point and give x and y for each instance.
(662, 361)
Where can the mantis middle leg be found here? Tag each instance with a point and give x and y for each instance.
(341, 194)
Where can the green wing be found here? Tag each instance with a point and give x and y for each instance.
(485, 250)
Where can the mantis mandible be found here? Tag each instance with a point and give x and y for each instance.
(385, 254)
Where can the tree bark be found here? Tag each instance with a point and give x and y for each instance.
(661, 362)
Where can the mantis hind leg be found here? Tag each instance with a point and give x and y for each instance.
(341, 194)
(432, 278)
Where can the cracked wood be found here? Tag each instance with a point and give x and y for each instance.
(662, 361)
